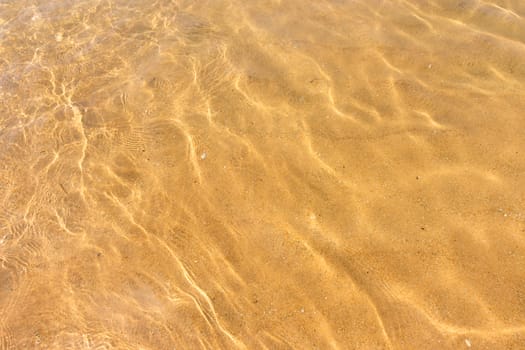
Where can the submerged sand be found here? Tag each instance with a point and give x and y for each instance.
(262, 174)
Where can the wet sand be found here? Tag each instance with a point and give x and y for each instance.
(262, 174)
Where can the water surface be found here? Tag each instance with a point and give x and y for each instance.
(262, 174)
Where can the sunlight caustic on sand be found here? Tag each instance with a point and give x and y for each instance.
(262, 174)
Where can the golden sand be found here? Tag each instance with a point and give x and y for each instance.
(264, 174)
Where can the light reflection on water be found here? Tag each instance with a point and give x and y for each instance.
(262, 174)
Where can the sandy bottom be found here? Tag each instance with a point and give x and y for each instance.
(264, 174)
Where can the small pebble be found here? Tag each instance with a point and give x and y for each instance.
(430, 66)
(203, 155)
(468, 343)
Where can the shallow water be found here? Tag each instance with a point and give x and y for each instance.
(262, 174)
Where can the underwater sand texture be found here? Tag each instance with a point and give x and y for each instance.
(331, 174)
